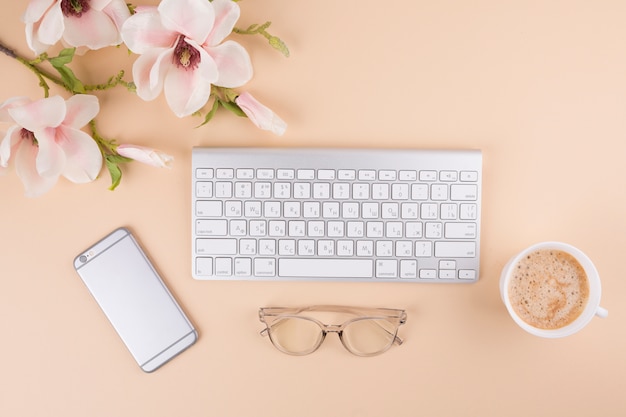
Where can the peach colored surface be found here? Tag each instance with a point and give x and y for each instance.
(539, 86)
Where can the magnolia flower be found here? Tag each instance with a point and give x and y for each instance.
(181, 51)
(45, 141)
(146, 155)
(260, 115)
(80, 23)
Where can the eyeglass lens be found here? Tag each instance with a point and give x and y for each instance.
(296, 335)
(368, 336)
(300, 335)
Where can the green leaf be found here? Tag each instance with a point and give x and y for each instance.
(118, 159)
(67, 75)
(233, 107)
(65, 57)
(70, 80)
(114, 170)
(211, 113)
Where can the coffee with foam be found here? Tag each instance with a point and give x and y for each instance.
(548, 289)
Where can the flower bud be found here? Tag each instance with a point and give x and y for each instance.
(260, 115)
(146, 155)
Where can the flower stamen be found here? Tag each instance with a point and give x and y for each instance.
(74, 8)
(185, 55)
(28, 135)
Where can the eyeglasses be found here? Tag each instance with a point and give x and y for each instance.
(370, 333)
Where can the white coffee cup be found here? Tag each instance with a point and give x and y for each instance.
(591, 309)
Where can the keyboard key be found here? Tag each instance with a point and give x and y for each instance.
(408, 268)
(428, 273)
(447, 274)
(204, 173)
(460, 230)
(225, 173)
(428, 176)
(211, 227)
(469, 176)
(208, 208)
(245, 173)
(387, 175)
(463, 192)
(223, 189)
(467, 274)
(285, 174)
(386, 268)
(265, 174)
(243, 267)
(367, 175)
(326, 174)
(325, 268)
(407, 175)
(419, 192)
(265, 267)
(448, 176)
(468, 212)
(216, 246)
(305, 174)
(204, 189)
(223, 266)
(455, 249)
(204, 266)
(346, 174)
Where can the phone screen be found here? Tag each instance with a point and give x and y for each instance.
(135, 300)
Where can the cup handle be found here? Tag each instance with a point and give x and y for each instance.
(602, 312)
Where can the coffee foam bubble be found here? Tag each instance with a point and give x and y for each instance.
(548, 289)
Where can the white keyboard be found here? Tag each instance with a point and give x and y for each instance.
(336, 214)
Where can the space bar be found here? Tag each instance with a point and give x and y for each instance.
(325, 268)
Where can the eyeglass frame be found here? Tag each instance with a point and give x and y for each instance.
(392, 315)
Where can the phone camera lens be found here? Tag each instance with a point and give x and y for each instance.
(82, 258)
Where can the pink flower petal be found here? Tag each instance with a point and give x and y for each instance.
(35, 10)
(149, 72)
(8, 144)
(26, 170)
(187, 90)
(50, 159)
(93, 29)
(51, 26)
(227, 13)
(118, 11)
(192, 18)
(233, 64)
(84, 159)
(5, 117)
(81, 109)
(46, 112)
(144, 31)
(32, 39)
(99, 4)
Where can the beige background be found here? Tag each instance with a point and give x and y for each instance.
(539, 86)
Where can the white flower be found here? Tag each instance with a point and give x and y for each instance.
(146, 155)
(183, 53)
(45, 141)
(79, 23)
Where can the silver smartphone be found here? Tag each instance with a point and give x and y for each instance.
(134, 298)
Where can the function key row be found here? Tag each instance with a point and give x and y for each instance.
(331, 174)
